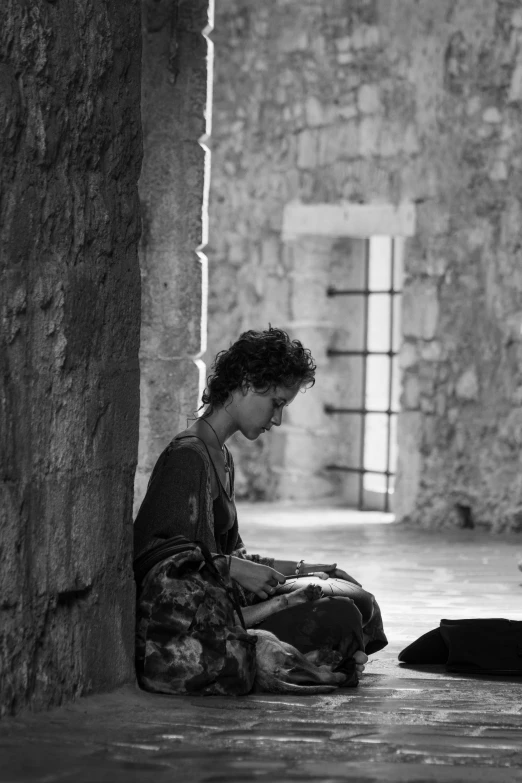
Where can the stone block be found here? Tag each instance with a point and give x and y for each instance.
(473, 105)
(337, 142)
(309, 255)
(277, 297)
(408, 355)
(237, 251)
(307, 149)
(345, 58)
(467, 386)
(365, 36)
(369, 136)
(348, 112)
(323, 221)
(308, 299)
(368, 99)
(411, 393)
(344, 43)
(293, 40)
(515, 87)
(410, 142)
(171, 307)
(420, 309)
(492, 115)
(271, 253)
(315, 114)
(431, 351)
(171, 191)
(499, 171)
(391, 141)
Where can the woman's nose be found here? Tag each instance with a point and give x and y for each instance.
(277, 417)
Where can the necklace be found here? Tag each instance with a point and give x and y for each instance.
(227, 469)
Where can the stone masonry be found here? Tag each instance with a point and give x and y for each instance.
(385, 101)
(176, 91)
(69, 297)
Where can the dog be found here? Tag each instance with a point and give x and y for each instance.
(281, 668)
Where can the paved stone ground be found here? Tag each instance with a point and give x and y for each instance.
(402, 725)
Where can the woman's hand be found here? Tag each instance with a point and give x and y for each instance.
(259, 579)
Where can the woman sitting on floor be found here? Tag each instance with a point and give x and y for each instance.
(191, 492)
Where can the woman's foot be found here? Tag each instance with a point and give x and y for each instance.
(360, 659)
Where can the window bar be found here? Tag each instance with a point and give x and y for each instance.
(329, 410)
(331, 292)
(347, 469)
(364, 368)
(336, 352)
(390, 386)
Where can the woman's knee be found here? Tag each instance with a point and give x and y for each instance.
(363, 600)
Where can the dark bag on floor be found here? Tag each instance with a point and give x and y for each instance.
(187, 638)
(474, 646)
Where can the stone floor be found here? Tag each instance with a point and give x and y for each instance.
(402, 725)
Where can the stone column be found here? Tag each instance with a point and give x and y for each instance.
(70, 138)
(176, 90)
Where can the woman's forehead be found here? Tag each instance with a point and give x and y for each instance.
(282, 392)
(286, 392)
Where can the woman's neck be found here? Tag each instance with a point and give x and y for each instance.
(221, 424)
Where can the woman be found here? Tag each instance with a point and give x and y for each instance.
(191, 492)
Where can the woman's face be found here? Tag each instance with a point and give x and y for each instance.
(257, 412)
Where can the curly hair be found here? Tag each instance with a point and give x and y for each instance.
(262, 359)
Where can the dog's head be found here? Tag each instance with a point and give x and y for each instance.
(283, 669)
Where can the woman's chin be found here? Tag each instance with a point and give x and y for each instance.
(253, 434)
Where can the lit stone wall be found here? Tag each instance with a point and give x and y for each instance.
(385, 102)
(70, 154)
(173, 193)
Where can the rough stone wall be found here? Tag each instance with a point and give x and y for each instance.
(176, 88)
(69, 295)
(384, 101)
